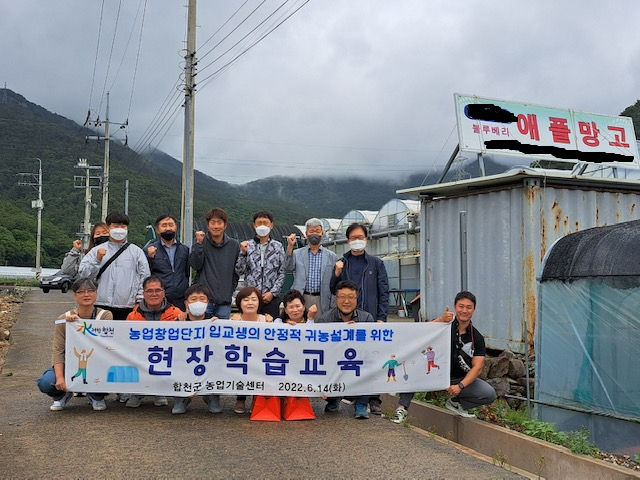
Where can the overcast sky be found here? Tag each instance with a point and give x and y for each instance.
(342, 87)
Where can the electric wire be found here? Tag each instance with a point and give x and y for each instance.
(113, 41)
(95, 62)
(201, 57)
(206, 80)
(135, 69)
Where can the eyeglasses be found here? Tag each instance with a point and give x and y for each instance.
(84, 292)
(155, 291)
(346, 297)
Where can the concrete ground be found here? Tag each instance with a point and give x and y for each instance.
(149, 442)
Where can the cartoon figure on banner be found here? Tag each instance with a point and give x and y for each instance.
(430, 356)
(83, 359)
(391, 364)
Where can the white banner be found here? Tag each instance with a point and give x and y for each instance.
(250, 358)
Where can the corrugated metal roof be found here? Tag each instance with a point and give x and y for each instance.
(555, 177)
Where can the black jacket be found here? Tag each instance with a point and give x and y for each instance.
(373, 292)
(176, 279)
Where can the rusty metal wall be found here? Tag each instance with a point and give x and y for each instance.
(509, 228)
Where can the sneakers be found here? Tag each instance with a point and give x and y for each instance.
(180, 405)
(333, 405)
(58, 405)
(375, 407)
(122, 397)
(134, 401)
(457, 408)
(400, 415)
(213, 402)
(362, 411)
(239, 408)
(97, 403)
(160, 401)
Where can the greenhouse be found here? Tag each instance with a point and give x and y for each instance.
(587, 333)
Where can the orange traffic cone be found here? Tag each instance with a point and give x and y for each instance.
(266, 409)
(297, 408)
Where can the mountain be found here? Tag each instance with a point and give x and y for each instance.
(30, 132)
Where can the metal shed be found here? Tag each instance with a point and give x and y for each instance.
(489, 235)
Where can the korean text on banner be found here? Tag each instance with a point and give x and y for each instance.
(247, 358)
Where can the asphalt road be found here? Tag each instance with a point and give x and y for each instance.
(149, 442)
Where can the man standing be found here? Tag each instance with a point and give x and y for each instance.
(169, 260)
(214, 257)
(261, 261)
(312, 266)
(467, 358)
(370, 275)
(346, 311)
(118, 266)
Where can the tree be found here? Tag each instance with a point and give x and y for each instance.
(633, 111)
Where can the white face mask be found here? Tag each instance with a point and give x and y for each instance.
(118, 233)
(357, 245)
(263, 230)
(197, 309)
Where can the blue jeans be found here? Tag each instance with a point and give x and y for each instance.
(477, 393)
(47, 384)
(220, 311)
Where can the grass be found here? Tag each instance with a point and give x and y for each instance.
(500, 413)
(20, 282)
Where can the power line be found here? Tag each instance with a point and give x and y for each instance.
(203, 82)
(113, 41)
(201, 57)
(135, 70)
(95, 63)
(221, 27)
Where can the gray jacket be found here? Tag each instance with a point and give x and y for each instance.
(298, 262)
(121, 283)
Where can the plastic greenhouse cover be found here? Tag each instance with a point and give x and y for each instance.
(587, 345)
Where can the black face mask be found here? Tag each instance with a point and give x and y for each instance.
(168, 235)
(101, 239)
(314, 239)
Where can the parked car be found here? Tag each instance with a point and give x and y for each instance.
(57, 281)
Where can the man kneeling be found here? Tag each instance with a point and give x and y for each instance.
(467, 358)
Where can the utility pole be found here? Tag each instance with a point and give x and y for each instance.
(105, 168)
(84, 181)
(126, 197)
(186, 230)
(27, 179)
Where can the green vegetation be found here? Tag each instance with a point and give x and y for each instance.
(30, 132)
(499, 412)
(20, 282)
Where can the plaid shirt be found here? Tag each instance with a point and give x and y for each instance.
(315, 270)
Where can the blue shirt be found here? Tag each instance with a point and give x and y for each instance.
(171, 251)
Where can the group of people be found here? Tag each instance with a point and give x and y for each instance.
(120, 281)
